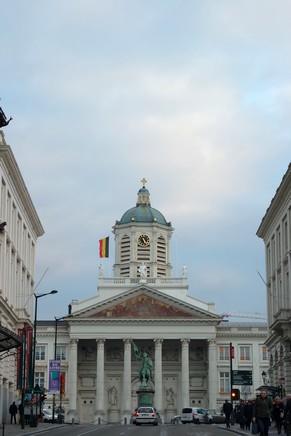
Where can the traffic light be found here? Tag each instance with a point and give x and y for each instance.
(235, 394)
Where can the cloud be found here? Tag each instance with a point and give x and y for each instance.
(193, 96)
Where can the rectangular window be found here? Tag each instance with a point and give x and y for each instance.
(224, 352)
(224, 383)
(40, 352)
(61, 352)
(39, 379)
(264, 353)
(245, 353)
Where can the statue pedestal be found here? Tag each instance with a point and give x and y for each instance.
(145, 396)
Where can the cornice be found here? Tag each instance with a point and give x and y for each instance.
(15, 174)
(241, 334)
(87, 321)
(276, 203)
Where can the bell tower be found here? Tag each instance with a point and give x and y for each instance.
(142, 238)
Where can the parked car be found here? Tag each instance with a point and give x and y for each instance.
(146, 415)
(197, 415)
(217, 417)
(47, 415)
(133, 415)
(176, 419)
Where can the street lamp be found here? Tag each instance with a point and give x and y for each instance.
(55, 358)
(37, 296)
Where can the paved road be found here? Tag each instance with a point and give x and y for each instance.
(132, 430)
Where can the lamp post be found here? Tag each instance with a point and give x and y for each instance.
(55, 358)
(37, 296)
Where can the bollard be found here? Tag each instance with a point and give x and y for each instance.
(99, 420)
(3, 429)
(73, 421)
(125, 420)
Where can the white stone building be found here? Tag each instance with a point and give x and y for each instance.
(19, 229)
(186, 339)
(275, 230)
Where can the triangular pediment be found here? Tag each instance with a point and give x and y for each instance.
(146, 303)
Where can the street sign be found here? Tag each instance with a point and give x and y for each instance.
(242, 378)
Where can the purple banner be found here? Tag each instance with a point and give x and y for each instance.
(54, 376)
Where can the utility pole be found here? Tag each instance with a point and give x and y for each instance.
(231, 356)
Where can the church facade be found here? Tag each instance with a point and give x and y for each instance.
(143, 304)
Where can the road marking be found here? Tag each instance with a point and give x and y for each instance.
(96, 429)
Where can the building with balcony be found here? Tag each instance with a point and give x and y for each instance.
(20, 228)
(275, 230)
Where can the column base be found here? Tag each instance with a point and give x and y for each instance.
(72, 417)
(99, 417)
(126, 417)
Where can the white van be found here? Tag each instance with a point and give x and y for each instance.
(197, 415)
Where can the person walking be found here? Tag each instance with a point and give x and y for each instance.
(227, 410)
(287, 417)
(262, 412)
(13, 412)
(248, 411)
(278, 414)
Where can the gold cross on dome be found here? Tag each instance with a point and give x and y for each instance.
(143, 181)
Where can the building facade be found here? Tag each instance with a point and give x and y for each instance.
(20, 228)
(143, 304)
(275, 230)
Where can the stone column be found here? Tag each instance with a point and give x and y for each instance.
(158, 375)
(73, 381)
(1, 399)
(127, 381)
(185, 373)
(100, 381)
(212, 374)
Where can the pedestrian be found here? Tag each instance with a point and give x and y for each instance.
(262, 412)
(278, 414)
(287, 417)
(227, 410)
(241, 415)
(13, 412)
(248, 411)
(21, 414)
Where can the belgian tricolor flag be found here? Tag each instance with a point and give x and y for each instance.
(104, 247)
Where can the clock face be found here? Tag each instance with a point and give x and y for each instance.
(143, 241)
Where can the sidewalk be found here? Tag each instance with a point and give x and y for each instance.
(237, 430)
(16, 430)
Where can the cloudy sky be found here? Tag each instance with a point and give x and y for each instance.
(193, 95)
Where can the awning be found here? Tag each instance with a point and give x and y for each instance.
(8, 339)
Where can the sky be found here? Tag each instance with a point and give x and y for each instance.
(193, 95)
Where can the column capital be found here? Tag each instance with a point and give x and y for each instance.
(185, 341)
(211, 342)
(74, 341)
(158, 341)
(127, 341)
(100, 341)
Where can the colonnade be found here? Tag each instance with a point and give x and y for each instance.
(126, 394)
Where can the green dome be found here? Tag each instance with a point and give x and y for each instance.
(143, 214)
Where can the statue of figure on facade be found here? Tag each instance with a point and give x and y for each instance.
(100, 271)
(3, 120)
(145, 372)
(142, 269)
(112, 396)
(184, 271)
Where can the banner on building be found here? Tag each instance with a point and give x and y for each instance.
(54, 376)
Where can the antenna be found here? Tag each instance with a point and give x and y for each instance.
(260, 275)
